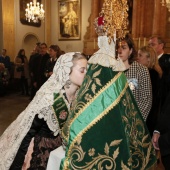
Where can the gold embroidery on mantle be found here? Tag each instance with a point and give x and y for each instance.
(98, 160)
(97, 118)
(137, 138)
(82, 106)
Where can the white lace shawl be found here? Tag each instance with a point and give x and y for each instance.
(41, 105)
(105, 56)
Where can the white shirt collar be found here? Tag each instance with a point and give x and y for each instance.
(159, 56)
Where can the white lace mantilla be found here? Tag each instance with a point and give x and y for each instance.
(41, 105)
(49, 116)
(105, 56)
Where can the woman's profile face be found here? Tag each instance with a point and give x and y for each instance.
(52, 53)
(78, 72)
(142, 58)
(124, 51)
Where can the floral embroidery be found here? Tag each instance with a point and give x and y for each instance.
(98, 160)
(63, 115)
(88, 97)
(91, 152)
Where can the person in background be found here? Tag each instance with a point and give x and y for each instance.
(6, 74)
(32, 69)
(164, 61)
(148, 57)
(137, 75)
(21, 71)
(39, 77)
(161, 137)
(5, 59)
(39, 123)
(2, 68)
(54, 52)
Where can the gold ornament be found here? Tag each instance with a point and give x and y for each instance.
(113, 19)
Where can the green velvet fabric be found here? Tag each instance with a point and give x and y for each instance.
(105, 129)
(61, 109)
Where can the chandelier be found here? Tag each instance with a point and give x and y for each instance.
(166, 3)
(34, 11)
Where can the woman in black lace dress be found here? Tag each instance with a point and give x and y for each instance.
(35, 132)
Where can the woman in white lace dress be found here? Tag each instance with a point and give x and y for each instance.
(39, 121)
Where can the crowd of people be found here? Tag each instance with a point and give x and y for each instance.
(29, 74)
(48, 127)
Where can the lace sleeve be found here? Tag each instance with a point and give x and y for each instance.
(48, 114)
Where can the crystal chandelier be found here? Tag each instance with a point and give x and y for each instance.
(166, 3)
(34, 11)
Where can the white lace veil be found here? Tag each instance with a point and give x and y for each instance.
(105, 56)
(41, 105)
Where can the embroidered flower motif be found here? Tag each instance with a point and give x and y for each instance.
(88, 97)
(63, 115)
(133, 83)
(91, 152)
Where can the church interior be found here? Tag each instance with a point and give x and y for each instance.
(146, 18)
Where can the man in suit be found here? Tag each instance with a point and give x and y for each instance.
(41, 60)
(5, 59)
(164, 61)
(33, 69)
(161, 135)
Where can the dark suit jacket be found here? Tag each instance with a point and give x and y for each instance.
(40, 77)
(155, 109)
(163, 125)
(164, 62)
(164, 128)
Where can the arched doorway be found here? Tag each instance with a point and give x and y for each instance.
(29, 43)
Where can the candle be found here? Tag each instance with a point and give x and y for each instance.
(139, 43)
(114, 37)
(94, 45)
(144, 41)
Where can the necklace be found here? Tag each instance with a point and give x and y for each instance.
(70, 98)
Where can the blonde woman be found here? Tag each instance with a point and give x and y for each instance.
(39, 121)
(147, 57)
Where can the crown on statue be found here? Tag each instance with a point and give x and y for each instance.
(113, 19)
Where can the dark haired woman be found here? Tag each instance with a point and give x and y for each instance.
(22, 71)
(137, 75)
(54, 52)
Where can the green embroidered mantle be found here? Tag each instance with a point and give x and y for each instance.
(105, 129)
